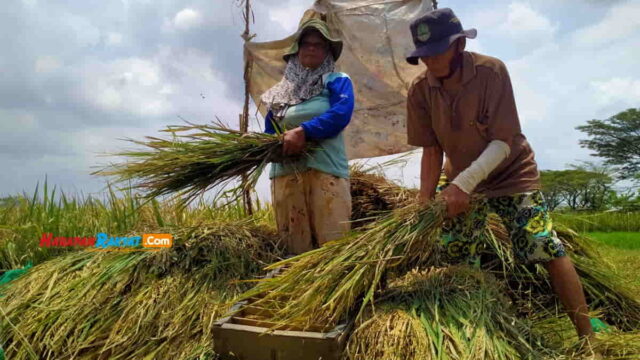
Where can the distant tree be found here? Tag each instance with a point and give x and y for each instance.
(552, 188)
(626, 201)
(617, 141)
(584, 187)
(597, 185)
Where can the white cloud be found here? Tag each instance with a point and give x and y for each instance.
(186, 19)
(45, 64)
(289, 16)
(86, 33)
(114, 38)
(17, 121)
(475, 45)
(625, 90)
(132, 85)
(527, 25)
(620, 22)
(30, 3)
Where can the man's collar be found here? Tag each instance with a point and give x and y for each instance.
(468, 71)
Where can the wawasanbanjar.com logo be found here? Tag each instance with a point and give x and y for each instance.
(103, 241)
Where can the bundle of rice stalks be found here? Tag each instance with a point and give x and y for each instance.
(372, 195)
(197, 158)
(527, 286)
(145, 304)
(610, 343)
(323, 285)
(392, 334)
(530, 288)
(444, 313)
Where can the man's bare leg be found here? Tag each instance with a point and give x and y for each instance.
(567, 286)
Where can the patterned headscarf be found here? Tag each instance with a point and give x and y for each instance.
(298, 84)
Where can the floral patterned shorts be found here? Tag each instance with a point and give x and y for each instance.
(527, 220)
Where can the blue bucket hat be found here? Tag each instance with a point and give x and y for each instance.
(434, 32)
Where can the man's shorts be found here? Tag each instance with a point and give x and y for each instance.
(526, 217)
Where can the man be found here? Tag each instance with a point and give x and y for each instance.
(463, 106)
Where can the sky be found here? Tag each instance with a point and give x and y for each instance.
(78, 76)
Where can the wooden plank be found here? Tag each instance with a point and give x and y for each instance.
(241, 342)
(270, 325)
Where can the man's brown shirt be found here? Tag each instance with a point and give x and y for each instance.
(482, 110)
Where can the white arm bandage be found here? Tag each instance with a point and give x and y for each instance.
(480, 169)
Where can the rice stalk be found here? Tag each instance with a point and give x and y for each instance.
(392, 334)
(323, 285)
(450, 313)
(146, 304)
(611, 344)
(197, 158)
(528, 286)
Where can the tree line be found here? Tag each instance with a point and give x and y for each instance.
(591, 186)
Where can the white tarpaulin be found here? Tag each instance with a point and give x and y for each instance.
(376, 40)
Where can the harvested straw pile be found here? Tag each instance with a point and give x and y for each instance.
(611, 343)
(372, 195)
(197, 158)
(322, 286)
(453, 313)
(134, 305)
(527, 286)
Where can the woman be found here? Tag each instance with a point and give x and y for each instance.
(312, 103)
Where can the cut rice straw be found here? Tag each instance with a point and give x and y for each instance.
(322, 286)
(196, 159)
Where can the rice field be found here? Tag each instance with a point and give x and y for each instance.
(618, 239)
(610, 221)
(75, 304)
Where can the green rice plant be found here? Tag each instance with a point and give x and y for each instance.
(49, 210)
(142, 305)
(320, 287)
(52, 211)
(600, 221)
(619, 239)
(197, 158)
(448, 313)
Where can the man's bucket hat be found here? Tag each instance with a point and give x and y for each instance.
(434, 32)
(335, 44)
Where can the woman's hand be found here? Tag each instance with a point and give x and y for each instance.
(294, 141)
(456, 199)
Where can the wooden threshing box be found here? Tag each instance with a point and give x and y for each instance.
(243, 336)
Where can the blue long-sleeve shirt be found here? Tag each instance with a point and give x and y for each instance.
(323, 118)
(331, 122)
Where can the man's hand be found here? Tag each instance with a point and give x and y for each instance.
(457, 200)
(294, 141)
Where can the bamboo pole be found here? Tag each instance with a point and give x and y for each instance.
(244, 117)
